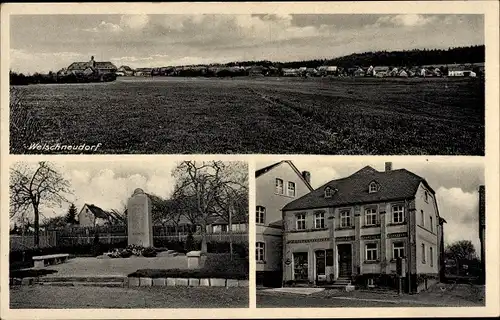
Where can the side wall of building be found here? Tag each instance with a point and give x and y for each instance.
(270, 232)
(427, 232)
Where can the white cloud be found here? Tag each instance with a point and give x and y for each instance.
(105, 27)
(135, 22)
(406, 20)
(460, 210)
(26, 61)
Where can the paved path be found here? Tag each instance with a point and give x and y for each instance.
(48, 297)
(451, 296)
(82, 267)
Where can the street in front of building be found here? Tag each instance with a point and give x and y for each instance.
(443, 295)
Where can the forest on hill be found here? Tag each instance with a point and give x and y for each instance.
(416, 57)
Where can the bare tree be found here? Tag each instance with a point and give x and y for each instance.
(200, 184)
(31, 187)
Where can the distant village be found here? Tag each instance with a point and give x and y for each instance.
(463, 62)
(438, 70)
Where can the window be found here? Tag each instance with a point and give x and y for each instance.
(291, 189)
(431, 256)
(373, 187)
(432, 225)
(398, 250)
(422, 218)
(397, 214)
(345, 219)
(371, 217)
(328, 192)
(260, 215)
(319, 220)
(426, 196)
(279, 186)
(423, 253)
(371, 252)
(301, 221)
(259, 251)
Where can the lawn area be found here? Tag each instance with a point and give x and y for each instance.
(53, 297)
(266, 115)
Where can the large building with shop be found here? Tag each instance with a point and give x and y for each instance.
(276, 185)
(356, 228)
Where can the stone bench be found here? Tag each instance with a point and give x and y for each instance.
(40, 261)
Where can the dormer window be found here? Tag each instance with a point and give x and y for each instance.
(373, 187)
(328, 192)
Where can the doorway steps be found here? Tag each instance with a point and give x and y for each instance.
(340, 284)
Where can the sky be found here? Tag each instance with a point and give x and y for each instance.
(42, 43)
(456, 184)
(108, 185)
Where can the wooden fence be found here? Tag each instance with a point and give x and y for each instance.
(59, 238)
(19, 242)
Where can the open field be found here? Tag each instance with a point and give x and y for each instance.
(260, 115)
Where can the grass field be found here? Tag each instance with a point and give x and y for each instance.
(260, 115)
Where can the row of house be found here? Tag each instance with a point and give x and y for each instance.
(454, 70)
(356, 227)
(104, 70)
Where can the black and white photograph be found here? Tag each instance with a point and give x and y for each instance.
(367, 84)
(256, 160)
(370, 233)
(130, 234)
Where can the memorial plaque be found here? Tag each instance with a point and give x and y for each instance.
(140, 227)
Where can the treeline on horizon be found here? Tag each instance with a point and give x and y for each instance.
(415, 57)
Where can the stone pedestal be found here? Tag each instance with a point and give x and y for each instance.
(139, 221)
(194, 259)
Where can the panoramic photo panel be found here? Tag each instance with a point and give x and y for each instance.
(128, 234)
(257, 83)
(369, 233)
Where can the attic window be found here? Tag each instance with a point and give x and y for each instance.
(373, 187)
(328, 192)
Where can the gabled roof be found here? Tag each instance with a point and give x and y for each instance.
(126, 68)
(97, 212)
(264, 170)
(105, 65)
(78, 66)
(98, 65)
(394, 185)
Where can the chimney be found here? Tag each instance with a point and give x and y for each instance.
(307, 176)
(388, 166)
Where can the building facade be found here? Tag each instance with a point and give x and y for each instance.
(276, 185)
(357, 227)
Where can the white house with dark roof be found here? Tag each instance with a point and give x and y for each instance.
(91, 215)
(276, 185)
(354, 229)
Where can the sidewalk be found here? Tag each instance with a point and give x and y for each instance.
(441, 295)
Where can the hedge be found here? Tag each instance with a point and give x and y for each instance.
(23, 258)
